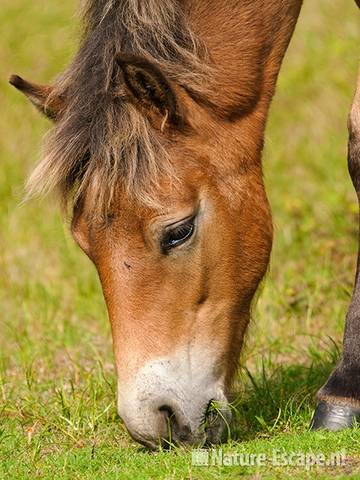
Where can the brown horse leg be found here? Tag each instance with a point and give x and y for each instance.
(339, 398)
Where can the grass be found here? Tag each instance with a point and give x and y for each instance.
(57, 380)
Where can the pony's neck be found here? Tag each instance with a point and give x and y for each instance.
(246, 41)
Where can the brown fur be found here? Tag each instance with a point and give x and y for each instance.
(219, 160)
(100, 139)
(118, 152)
(222, 60)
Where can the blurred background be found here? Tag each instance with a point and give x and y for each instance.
(54, 334)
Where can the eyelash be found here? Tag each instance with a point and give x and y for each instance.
(177, 235)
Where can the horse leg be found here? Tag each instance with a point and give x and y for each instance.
(339, 398)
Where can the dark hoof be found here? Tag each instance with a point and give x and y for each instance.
(334, 417)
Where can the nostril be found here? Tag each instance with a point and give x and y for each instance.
(177, 430)
(211, 413)
(169, 417)
(214, 421)
(168, 413)
(209, 407)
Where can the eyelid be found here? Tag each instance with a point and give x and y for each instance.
(189, 220)
(178, 223)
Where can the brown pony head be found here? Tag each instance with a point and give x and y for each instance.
(165, 183)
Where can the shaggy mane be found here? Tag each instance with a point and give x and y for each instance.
(101, 139)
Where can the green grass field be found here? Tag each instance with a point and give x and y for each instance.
(57, 383)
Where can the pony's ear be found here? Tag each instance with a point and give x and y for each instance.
(40, 96)
(150, 90)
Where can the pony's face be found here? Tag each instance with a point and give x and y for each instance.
(179, 274)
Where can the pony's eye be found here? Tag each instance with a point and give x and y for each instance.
(177, 235)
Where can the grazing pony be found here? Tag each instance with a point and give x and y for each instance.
(156, 150)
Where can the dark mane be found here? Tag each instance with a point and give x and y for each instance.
(101, 139)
